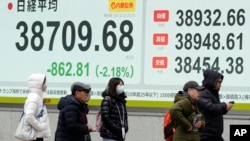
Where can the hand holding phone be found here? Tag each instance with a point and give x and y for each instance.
(229, 105)
(196, 119)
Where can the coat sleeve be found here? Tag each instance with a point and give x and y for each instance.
(126, 119)
(31, 110)
(106, 112)
(208, 105)
(177, 114)
(71, 114)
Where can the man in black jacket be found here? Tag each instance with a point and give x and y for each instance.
(72, 121)
(210, 106)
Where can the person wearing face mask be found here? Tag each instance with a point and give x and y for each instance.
(72, 121)
(114, 111)
(34, 106)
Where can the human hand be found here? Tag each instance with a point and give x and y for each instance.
(198, 124)
(90, 128)
(229, 105)
(190, 128)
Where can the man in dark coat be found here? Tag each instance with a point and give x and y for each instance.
(210, 106)
(72, 122)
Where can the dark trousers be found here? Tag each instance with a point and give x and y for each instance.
(39, 139)
(212, 139)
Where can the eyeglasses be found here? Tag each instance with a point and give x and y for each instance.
(87, 91)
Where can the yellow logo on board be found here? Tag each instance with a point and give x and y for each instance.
(122, 5)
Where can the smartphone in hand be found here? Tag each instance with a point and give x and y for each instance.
(196, 119)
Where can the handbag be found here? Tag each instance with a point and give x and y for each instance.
(24, 130)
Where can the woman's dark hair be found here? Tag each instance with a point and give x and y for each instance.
(113, 82)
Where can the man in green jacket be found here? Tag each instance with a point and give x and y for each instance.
(187, 119)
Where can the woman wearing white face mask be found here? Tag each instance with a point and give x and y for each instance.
(35, 111)
(114, 112)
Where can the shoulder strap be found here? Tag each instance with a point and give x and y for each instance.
(41, 112)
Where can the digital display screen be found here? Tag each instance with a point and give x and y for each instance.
(155, 46)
